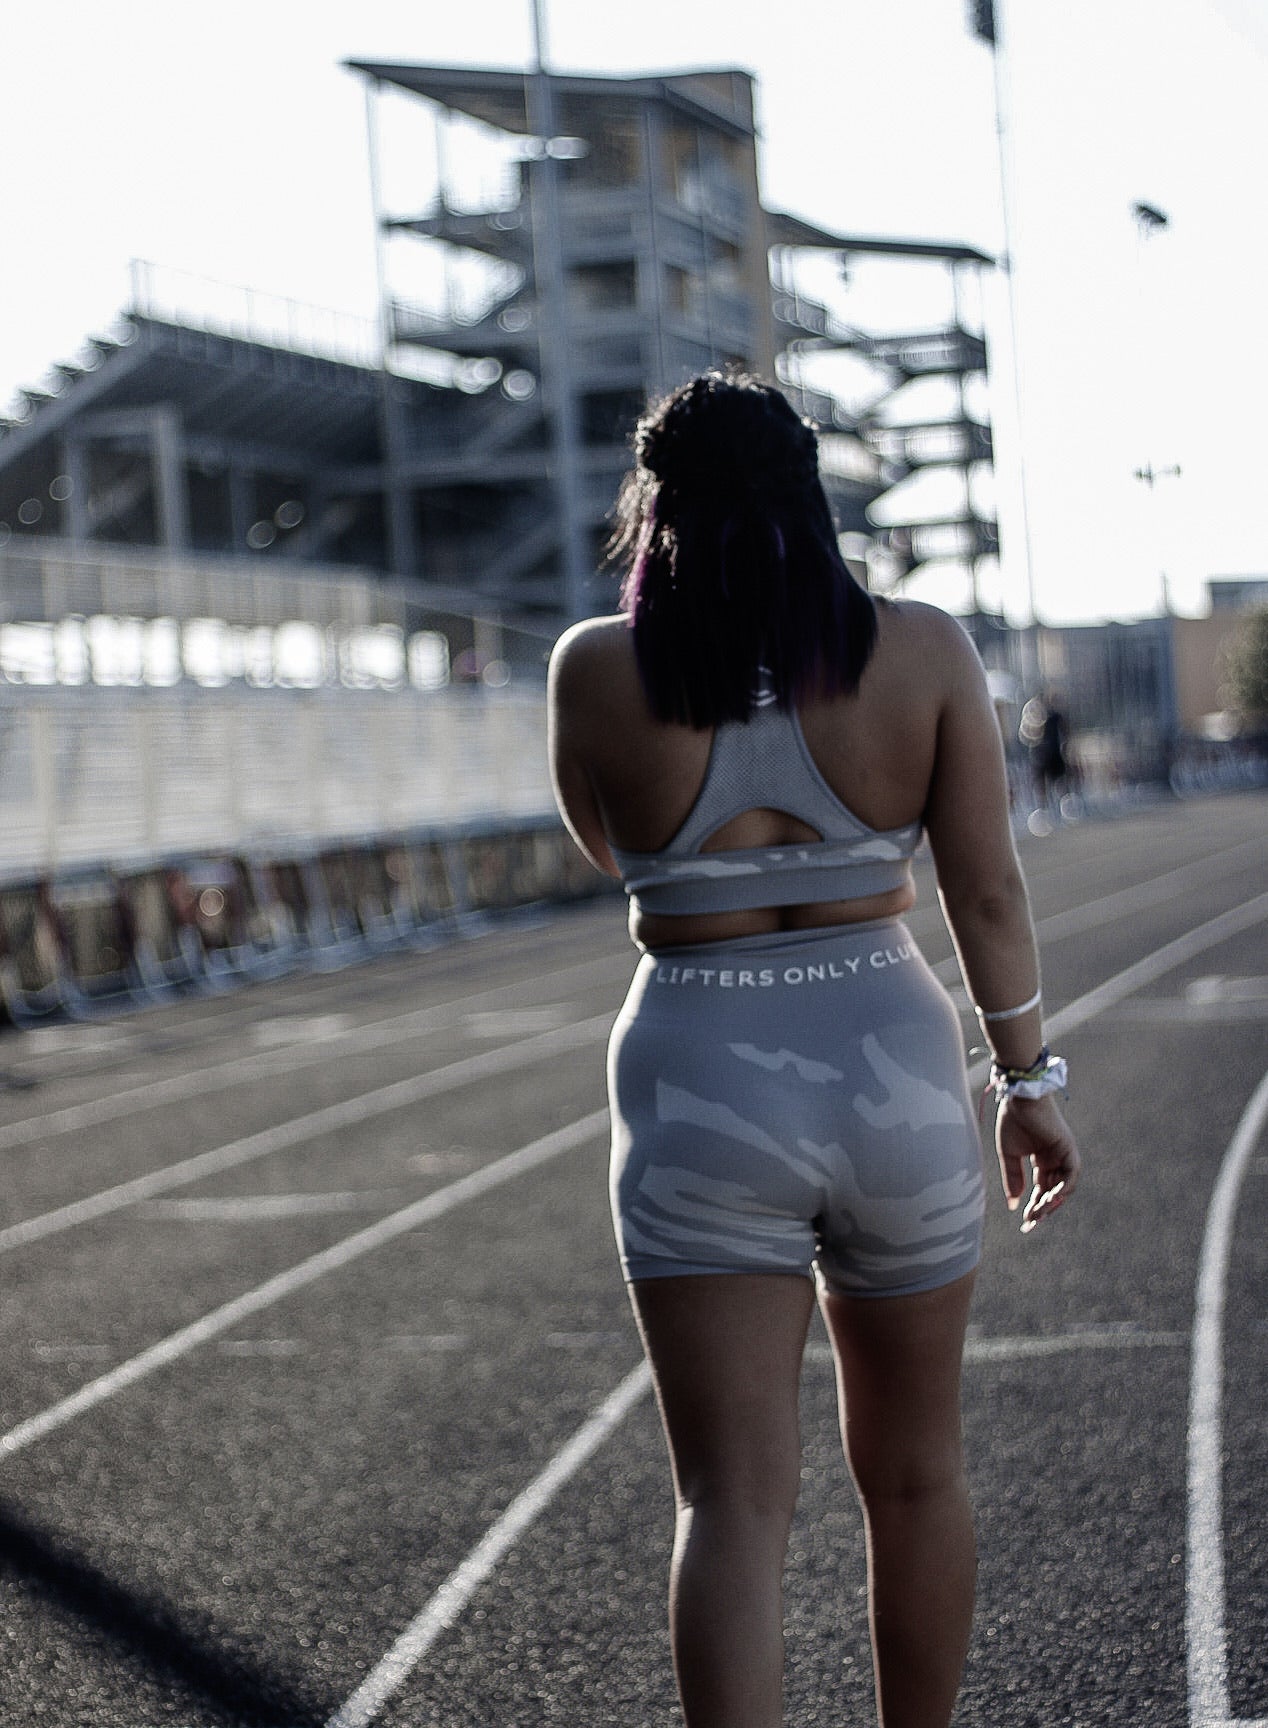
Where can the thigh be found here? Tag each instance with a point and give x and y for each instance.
(898, 1379)
(726, 1352)
(906, 1200)
(706, 1178)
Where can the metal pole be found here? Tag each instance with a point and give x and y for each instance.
(539, 37)
(552, 325)
(1150, 220)
(1030, 665)
(962, 411)
(397, 510)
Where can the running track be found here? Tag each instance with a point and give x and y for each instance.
(322, 1404)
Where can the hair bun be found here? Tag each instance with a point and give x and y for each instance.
(723, 435)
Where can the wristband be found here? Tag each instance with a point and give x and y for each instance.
(1047, 1073)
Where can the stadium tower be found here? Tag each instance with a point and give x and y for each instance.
(627, 248)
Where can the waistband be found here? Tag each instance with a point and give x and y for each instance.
(847, 954)
(828, 937)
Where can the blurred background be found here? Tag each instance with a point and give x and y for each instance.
(325, 332)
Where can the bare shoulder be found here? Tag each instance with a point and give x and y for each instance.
(593, 643)
(919, 625)
(593, 662)
(592, 636)
(925, 639)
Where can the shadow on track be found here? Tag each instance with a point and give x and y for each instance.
(147, 1630)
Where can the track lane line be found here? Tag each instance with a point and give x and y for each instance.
(400, 1028)
(407, 1092)
(298, 1277)
(349, 1113)
(1140, 896)
(444, 1607)
(388, 1676)
(1206, 1627)
(1155, 965)
(268, 1064)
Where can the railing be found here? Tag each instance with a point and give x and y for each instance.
(93, 776)
(720, 200)
(48, 579)
(933, 351)
(78, 945)
(72, 614)
(228, 309)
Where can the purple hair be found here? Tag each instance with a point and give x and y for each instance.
(734, 579)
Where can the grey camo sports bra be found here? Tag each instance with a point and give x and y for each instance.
(764, 764)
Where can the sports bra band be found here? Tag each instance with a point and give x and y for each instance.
(765, 763)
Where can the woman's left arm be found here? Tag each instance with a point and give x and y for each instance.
(569, 721)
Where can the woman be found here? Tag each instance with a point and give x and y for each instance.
(755, 747)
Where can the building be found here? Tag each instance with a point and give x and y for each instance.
(200, 435)
(1237, 593)
(1141, 694)
(624, 246)
(627, 248)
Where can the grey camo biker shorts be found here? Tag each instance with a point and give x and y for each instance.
(795, 1102)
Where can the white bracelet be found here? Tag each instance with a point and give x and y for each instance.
(1011, 1013)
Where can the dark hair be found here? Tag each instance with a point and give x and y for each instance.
(734, 578)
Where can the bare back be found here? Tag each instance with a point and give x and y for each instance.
(628, 780)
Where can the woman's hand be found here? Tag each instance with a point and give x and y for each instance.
(1034, 1129)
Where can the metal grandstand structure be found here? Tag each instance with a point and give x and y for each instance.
(469, 448)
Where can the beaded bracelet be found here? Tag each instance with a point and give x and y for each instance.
(1047, 1073)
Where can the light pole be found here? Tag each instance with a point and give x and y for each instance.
(1151, 476)
(985, 18)
(1151, 221)
(550, 278)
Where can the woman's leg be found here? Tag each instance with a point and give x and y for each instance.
(898, 1381)
(726, 1354)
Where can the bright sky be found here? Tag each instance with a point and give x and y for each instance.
(228, 142)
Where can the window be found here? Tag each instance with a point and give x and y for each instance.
(602, 287)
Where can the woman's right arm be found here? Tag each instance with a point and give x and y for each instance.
(987, 909)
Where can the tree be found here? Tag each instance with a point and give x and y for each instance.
(1245, 684)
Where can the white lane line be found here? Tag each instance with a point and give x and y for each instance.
(1015, 1349)
(268, 1064)
(299, 1029)
(266, 1208)
(1107, 1338)
(1141, 895)
(391, 1673)
(1153, 966)
(333, 1259)
(1113, 905)
(268, 1347)
(349, 1113)
(1172, 1011)
(1116, 989)
(399, 1029)
(405, 1654)
(1205, 1622)
(71, 1352)
(429, 1341)
(514, 1022)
